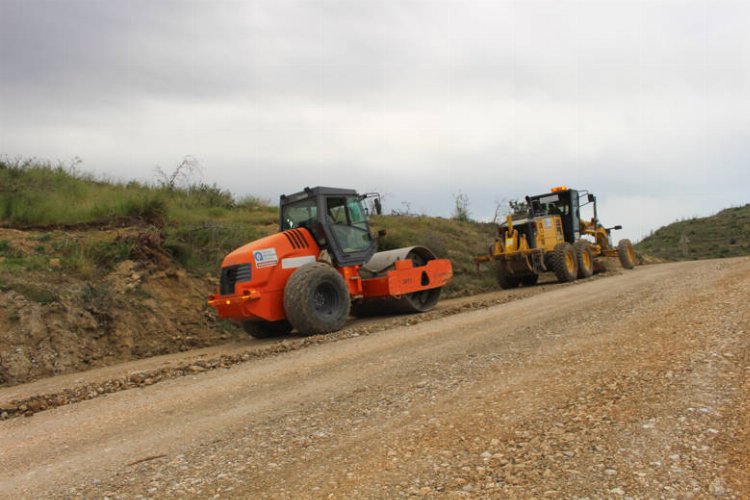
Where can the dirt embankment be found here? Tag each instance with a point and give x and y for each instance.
(53, 322)
(631, 386)
(54, 392)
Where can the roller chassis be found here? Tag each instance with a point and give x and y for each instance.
(321, 266)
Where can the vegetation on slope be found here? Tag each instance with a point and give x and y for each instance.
(94, 272)
(194, 225)
(725, 234)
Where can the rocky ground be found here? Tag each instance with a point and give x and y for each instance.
(634, 386)
(54, 320)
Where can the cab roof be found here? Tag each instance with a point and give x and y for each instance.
(309, 192)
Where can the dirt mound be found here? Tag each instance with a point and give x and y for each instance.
(55, 324)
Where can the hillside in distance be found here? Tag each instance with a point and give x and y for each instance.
(725, 234)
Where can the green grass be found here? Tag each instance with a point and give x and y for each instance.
(36, 194)
(725, 234)
(196, 226)
(200, 223)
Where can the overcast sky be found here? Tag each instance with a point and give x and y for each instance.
(645, 103)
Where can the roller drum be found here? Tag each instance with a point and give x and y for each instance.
(415, 302)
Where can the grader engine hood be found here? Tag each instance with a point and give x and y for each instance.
(253, 276)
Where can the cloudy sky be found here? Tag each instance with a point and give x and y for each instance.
(645, 103)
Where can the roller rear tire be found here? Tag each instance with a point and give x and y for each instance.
(316, 299)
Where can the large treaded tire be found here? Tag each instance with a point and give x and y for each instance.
(266, 329)
(585, 258)
(626, 254)
(564, 262)
(504, 278)
(316, 299)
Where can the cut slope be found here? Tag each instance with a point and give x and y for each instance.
(93, 273)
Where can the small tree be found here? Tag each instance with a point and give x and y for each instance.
(183, 174)
(461, 208)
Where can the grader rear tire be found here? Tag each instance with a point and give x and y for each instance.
(585, 259)
(316, 299)
(564, 262)
(530, 280)
(266, 329)
(626, 254)
(506, 280)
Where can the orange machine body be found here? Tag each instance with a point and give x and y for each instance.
(259, 294)
(271, 261)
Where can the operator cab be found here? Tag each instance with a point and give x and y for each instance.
(337, 219)
(560, 201)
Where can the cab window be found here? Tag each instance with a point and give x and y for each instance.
(349, 223)
(337, 210)
(357, 214)
(299, 214)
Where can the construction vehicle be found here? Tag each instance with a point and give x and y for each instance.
(322, 265)
(546, 233)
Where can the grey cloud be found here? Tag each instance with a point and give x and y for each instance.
(637, 100)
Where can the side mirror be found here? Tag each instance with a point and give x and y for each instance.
(378, 207)
(591, 198)
(617, 227)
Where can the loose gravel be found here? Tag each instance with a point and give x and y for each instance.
(631, 387)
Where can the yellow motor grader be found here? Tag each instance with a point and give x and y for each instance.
(546, 233)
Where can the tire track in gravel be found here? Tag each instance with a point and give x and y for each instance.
(575, 433)
(28, 399)
(542, 396)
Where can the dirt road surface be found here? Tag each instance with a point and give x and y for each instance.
(636, 386)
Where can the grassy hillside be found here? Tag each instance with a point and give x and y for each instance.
(193, 226)
(94, 272)
(725, 234)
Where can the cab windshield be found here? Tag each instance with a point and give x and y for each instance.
(550, 205)
(348, 220)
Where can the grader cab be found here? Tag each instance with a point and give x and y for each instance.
(322, 265)
(548, 234)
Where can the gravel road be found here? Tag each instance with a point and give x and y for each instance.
(635, 386)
